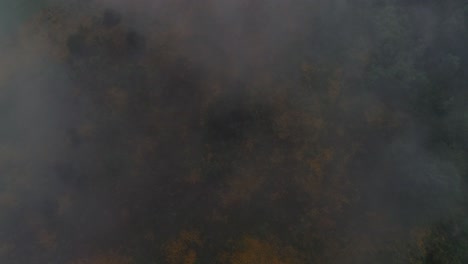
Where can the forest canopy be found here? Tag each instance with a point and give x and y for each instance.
(279, 132)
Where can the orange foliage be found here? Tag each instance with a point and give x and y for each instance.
(109, 258)
(255, 251)
(181, 250)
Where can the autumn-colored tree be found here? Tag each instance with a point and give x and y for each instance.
(250, 250)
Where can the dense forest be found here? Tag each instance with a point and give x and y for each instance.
(233, 132)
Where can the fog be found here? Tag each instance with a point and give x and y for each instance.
(235, 132)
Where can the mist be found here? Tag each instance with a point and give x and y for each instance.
(251, 131)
